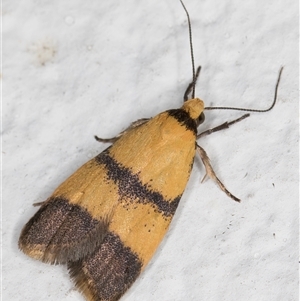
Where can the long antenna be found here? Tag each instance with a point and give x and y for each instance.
(252, 110)
(191, 47)
(192, 85)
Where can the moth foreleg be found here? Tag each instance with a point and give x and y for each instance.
(223, 126)
(132, 126)
(191, 85)
(210, 172)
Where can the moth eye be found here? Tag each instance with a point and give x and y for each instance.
(200, 119)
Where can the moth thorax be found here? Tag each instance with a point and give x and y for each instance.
(194, 107)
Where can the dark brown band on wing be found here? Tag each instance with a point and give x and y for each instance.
(131, 187)
(184, 119)
(62, 231)
(109, 272)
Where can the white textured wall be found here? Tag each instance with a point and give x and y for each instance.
(72, 69)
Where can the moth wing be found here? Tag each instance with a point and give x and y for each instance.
(108, 272)
(151, 172)
(126, 249)
(72, 223)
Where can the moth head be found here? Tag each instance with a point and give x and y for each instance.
(195, 107)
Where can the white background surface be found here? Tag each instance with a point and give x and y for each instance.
(72, 69)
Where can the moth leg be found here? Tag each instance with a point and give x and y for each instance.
(39, 204)
(133, 125)
(223, 126)
(190, 86)
(210, 172)
(107, 140)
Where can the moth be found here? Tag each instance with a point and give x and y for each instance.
(107, 219)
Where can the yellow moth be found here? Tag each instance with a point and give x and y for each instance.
(107, 219)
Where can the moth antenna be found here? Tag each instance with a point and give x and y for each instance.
(253, 110)
(192, 51)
